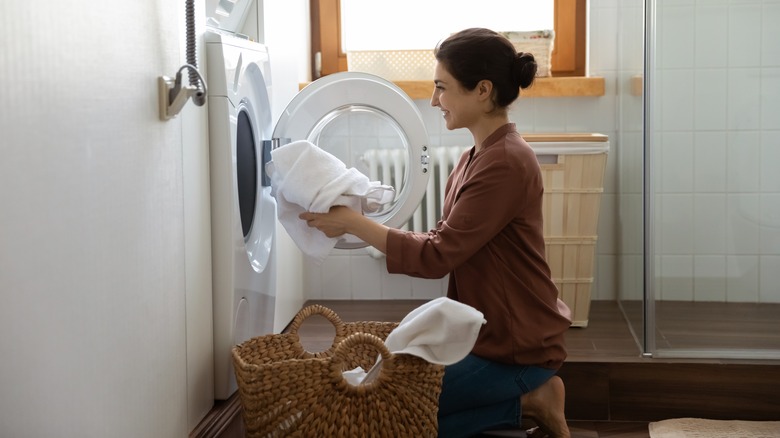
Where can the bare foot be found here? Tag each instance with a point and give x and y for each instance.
(545, 406)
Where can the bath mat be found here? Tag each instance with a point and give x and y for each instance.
(702, 428)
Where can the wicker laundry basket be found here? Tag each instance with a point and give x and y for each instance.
(287, 391)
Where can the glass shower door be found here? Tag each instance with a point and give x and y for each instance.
(712, 144)
(630, 166)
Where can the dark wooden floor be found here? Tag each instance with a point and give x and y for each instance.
(612, 391)
(710, 325)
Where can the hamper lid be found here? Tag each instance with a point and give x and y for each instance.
(567, 143)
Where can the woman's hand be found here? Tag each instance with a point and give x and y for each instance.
(341, 220)
(335, 222)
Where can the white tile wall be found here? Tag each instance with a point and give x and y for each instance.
(770, 34)
(676, 277)
(744, 98)
(709, 99)
(709, 213)
(742, 158)
(744, 36)
(709, 166)
(742, 227)
(676, 37)
(742, 277)
(770, 98)
(769, 231)
(676, 169)
(709, 282)
(711, 22)
(770, 157)
(769, 279)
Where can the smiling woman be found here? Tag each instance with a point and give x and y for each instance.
(329, 54)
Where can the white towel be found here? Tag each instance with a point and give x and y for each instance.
(441, 331)
(304, 177)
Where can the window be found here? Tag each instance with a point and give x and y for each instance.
(568, 57)
(434, 20)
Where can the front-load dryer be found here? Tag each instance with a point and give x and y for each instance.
(243, 212)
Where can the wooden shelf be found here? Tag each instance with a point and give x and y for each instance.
(536, 137)
(543, 87)
(637, 85)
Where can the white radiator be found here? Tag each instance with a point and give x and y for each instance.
(389, 167)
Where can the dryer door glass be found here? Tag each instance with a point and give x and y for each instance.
(369, 124)
(257, 206)
(369, 140)
(246, 171)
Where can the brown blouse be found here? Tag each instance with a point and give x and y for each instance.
(490, 242)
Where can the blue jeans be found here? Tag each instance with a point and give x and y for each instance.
(478, 395)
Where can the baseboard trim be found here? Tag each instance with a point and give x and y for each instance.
(655, 390)
(222, 415)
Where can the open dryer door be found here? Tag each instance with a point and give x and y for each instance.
(369, 124)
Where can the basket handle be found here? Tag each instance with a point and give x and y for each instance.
(342, 351)
(317, 309)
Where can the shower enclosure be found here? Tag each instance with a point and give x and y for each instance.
(699, 188)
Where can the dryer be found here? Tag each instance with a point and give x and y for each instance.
(243, 212)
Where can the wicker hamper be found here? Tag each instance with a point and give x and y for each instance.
(573, 169)
(287, 391)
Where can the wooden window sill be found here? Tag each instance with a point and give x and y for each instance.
(543, 87)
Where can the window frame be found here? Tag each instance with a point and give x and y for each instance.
(568, 57)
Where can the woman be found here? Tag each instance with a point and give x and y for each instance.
(490, 241)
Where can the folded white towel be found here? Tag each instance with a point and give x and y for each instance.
(442, 331)
(304, 177)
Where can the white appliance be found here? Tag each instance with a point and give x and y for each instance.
(243, 212)
(333, 113)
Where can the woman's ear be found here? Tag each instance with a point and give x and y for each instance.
(485, 89)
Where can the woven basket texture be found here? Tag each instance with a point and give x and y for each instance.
(287, 391)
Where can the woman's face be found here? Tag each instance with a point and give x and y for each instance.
(458, 105)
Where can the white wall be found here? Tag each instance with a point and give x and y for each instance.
(92, 274)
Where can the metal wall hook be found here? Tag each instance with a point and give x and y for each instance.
(174, 95)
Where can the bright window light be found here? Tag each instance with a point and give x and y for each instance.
(420, 24)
